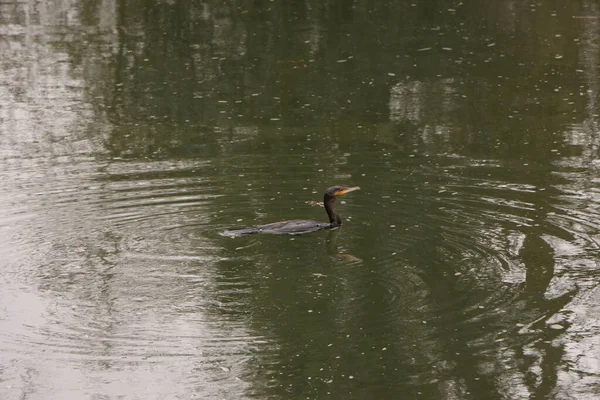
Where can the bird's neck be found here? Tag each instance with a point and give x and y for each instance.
(334, 218)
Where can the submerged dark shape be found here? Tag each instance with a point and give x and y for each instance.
(297, 227)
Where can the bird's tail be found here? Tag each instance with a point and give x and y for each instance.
(240, 232)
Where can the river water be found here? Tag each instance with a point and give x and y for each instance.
(133, 133)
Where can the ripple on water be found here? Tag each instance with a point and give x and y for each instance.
(110, 268)
(452, 260)
(118, 266)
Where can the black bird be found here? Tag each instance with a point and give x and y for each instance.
(300, 226)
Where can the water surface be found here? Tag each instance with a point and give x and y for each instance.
(131, 135)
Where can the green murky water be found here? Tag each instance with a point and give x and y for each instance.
(133, 133)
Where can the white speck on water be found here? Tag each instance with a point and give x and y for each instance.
(239, 219)
(310, 311)
(391, 74)
(424, 49)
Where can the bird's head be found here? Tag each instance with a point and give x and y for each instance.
(337, 191)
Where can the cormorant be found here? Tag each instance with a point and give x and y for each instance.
(297, 227)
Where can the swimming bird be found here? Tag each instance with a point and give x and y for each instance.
(297, 227)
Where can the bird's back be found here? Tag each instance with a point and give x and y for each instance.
(293, 227)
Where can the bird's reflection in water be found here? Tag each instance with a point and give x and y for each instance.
(334, 251)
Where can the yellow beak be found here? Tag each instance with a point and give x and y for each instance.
(345, 190)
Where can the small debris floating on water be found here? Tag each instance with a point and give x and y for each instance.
(314, 203)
